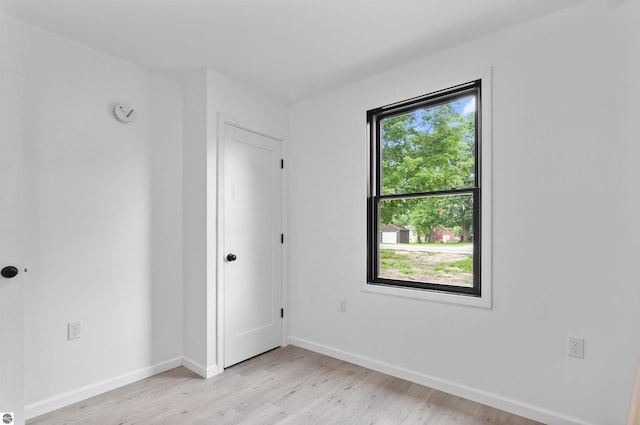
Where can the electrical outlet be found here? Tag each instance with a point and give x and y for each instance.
(343, 306)
(73, 330)
(575, 346)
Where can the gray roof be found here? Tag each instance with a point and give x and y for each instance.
(393, 228)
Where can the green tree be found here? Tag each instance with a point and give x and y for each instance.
(429, 150)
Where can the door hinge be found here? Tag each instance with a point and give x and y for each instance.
(282, 164)
(281, 237)
(281, 312)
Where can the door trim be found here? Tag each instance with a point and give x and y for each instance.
(223, 121)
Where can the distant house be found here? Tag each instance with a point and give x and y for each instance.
(443, 235)
(392, 233)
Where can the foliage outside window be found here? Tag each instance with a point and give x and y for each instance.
(424, 201)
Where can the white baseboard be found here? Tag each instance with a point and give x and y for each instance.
(41, 407)
(44, 406)
(499, 402)
(198, 369)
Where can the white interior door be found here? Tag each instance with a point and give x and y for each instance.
(11, 288)
(252, 246)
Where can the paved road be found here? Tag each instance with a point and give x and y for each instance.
(462, 249)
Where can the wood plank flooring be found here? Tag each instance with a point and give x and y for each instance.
(286, 386)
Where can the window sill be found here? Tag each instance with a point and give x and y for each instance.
(483, 301)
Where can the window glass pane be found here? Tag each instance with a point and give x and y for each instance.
(428, 240)
(429, 149)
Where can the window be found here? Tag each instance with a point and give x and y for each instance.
(425, 193)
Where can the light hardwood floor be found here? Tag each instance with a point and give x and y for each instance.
(287, 386)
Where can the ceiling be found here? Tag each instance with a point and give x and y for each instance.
(292, 49)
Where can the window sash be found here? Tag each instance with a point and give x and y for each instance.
(374, 246)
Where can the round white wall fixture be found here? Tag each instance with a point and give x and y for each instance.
(124, 113)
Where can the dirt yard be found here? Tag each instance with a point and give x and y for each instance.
(431, 267)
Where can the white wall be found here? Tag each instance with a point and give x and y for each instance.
(195, 221)
(11, 240)
(565, 107)
(103, 219)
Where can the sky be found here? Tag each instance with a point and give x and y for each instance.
(470, 105)
(465, 106)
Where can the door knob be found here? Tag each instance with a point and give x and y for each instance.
(231, 257)
(9, 272)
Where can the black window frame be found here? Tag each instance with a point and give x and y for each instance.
(375, 196)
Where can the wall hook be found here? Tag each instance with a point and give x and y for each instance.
(124, 113)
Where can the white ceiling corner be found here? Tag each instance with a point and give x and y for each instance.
(292, 49)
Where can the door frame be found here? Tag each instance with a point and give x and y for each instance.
(13, 291)
(223, 121)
